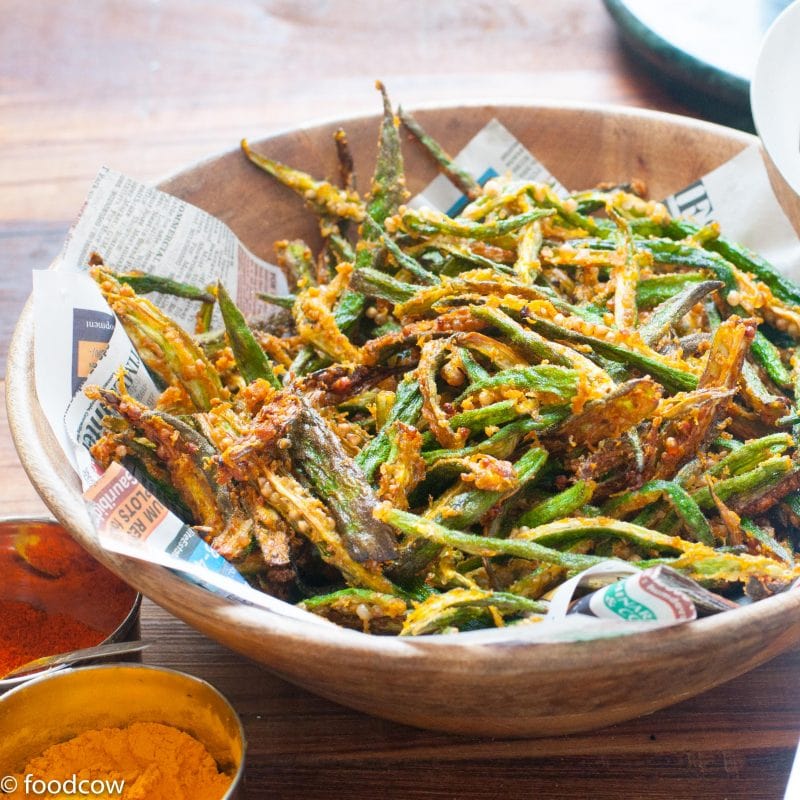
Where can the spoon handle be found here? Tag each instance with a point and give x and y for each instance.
(75, 656)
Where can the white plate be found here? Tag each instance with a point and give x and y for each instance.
(774, 95)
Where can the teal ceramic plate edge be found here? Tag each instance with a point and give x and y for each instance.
(676, 63)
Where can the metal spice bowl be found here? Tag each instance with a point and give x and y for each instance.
(81, 586)
(57, 707)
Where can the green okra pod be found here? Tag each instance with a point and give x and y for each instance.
(144, 284)
(682, 503)
(558, 506)
(658, 288)
(458, 176)
(374, 283)
(670, 311)
(430, 223)
(280, 300)
(550, 380)
(251, 359)
(407, 409)
(418, 528)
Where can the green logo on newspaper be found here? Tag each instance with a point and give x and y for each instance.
(619, 602)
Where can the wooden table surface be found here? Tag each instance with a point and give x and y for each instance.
(147, 86)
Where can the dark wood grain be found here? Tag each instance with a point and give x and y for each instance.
(736, 741)
(147, 87)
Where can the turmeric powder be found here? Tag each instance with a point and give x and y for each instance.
(155, 761)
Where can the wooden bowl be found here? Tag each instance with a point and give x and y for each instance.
(450, 684)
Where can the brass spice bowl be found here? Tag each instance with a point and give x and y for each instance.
(57, 707)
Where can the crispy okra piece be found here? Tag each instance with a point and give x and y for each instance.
(689, 418)
(626, 274)
(544, 196)
(741, 257)
(446, 611)
(534, 346)
(769, 406)
(612, 415)
(568, 532)
(341, 248)
(558, 506)
(388, 190)
(481, 282)
(297, 261)
(502, 443)
(528, 342)
(142, 283)
(740, 458)
(416, 527)
(317, 312)
(549, 382)
(744, 487)
(401, 258)
(766, 542)
(281, 300)
(186, 455)
(460, 178)
(682, 503)
(311, 519)
(428, 222)
(406, 409)
(322, 197)
(374, 283)
(478, 419)
(528, 266)
(432, 357)
(385, 400)
(670, 376)
(769, 357)
(671, 310)
(362, 609)
(251, 359)
(656, 289)
(472, 369)
(347, 169)
(697, 560)
(748, 455)
(404, 467)
(462, 506)
(204, 316)
(166, 349)
(318, 455)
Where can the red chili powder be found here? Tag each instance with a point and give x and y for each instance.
(27, 633)
(56, 598)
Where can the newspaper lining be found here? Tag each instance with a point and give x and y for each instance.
(134, 226)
